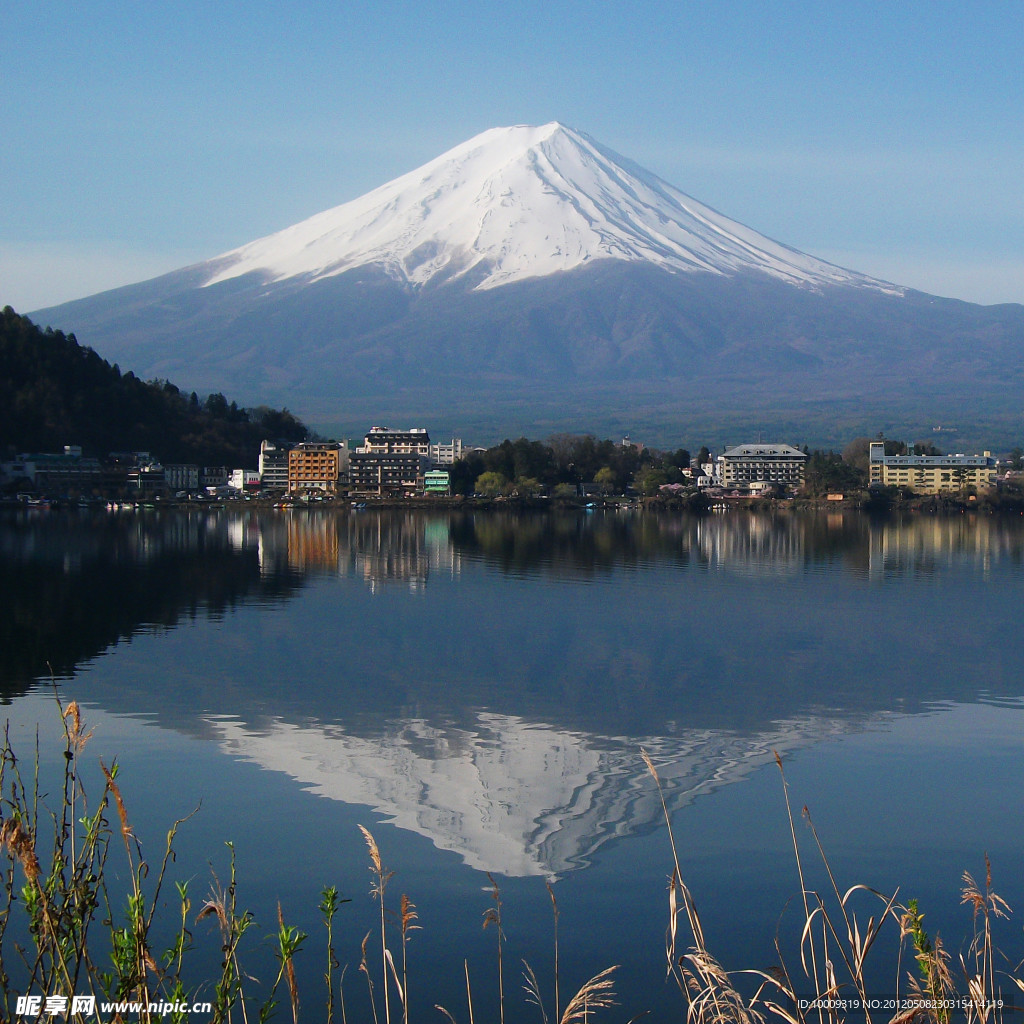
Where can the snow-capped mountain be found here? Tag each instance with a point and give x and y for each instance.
(530, 280)
(519, 203)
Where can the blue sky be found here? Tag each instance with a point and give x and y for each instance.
(141, 137)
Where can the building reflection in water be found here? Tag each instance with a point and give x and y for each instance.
(752, 544)
(407, 547)
(927, 544)
(402, 548)
(380, 549)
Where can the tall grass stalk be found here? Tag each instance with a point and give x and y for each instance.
(408, 917)
(222, 904)
(554, 915)
(365, 968)
(978, 964)
(289, 942)
(492, 916)
(330, 901)
(381, 878)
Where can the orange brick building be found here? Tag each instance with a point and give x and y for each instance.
(316, 466)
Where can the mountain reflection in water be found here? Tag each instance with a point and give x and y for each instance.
(511, 797)
(487, 680)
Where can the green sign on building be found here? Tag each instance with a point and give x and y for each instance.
(436, 481)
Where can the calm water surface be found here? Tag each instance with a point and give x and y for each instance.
(476, 689)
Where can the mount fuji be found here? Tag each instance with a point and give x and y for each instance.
(531, 279)
(514, 204)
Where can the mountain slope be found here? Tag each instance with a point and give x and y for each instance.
(531, 279)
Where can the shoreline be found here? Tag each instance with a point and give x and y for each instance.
(693, 503)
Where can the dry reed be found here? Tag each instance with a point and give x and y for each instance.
(834, 945)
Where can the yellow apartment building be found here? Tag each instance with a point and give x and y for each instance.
(931, 474)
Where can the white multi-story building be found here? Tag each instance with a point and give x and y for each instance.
(244, 480)
(273, 466)
(446, 454)
(385, 441)
(746, 464)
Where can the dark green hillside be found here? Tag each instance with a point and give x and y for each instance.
(54, 392)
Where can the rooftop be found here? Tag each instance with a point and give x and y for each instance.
(763, 451)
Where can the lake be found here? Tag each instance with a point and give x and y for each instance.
(476, 690)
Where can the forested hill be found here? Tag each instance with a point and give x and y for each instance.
(55, 392)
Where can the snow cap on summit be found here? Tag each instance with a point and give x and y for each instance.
(516, 203)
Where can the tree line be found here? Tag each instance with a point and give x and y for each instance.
(563, 462)
(54, 392)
